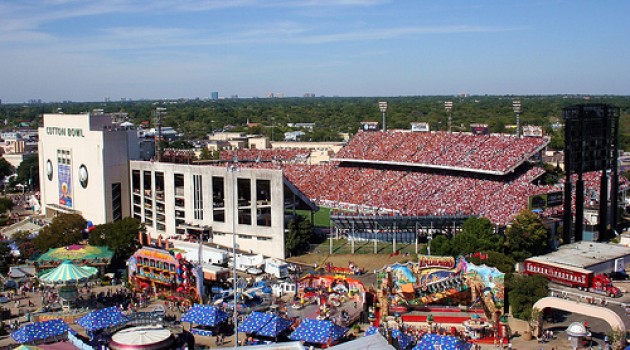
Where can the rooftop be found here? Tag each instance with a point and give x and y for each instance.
(584, 254)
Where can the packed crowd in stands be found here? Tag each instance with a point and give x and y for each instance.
(417, 193)
(265, 155)
(494, 153)
(371, 189)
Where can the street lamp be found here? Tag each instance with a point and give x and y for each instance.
(448, 106)
(382, 106)
(516, 105)
(233, 169)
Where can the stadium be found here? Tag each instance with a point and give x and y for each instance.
(407, 183)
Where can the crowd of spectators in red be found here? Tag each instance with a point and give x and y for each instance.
(416, 193)
(496, 153)
(371, 190)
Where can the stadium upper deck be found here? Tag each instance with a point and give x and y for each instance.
(496, 154)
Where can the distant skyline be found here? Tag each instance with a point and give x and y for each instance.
(89, 50)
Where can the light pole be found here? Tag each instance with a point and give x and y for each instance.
(516, 105)
(233, 169)
(382, 106)
(448, 106)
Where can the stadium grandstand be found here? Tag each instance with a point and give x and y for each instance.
(401, 181)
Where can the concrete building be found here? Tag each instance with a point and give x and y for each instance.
(177, 199)
(93, 168)
(84, 164)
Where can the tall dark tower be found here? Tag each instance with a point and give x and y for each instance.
(591, 135)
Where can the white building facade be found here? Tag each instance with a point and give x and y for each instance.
(84, 166)
(175, 199)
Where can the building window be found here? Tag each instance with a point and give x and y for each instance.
(135, 181)
(116, 202)
(198, 197)
(263, 202)
(244, 196)
(218, 199)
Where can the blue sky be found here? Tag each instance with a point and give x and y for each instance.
(86, 50)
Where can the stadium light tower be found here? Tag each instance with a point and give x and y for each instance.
(383, 107)
(448, 106)
(516, 105)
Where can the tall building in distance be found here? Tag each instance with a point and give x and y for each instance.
(214, 95)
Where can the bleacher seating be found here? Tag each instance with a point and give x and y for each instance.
(481, 153)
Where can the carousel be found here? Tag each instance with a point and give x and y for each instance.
(154, 337)
(65, 278)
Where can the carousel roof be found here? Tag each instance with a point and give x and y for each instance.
(142, 336)
(68, 273)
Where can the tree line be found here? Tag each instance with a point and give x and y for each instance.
(333, 115)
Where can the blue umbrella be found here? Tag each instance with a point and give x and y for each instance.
(275, 327)
(39, 331)
(205, 315)
(102, 318)
(318, 331)
(404, 340)
(254, 322)
(443, 342)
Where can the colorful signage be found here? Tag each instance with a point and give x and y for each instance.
(429, 261)
(65, 185)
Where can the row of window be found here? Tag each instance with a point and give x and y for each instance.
(142, 182)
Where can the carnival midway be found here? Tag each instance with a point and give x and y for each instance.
(163, 304)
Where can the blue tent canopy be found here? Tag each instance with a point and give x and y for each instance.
(444, 342)
(404, 340)
(254, 322)
(275, 327)
(318, 332)
(40, 331)
(205, 315)
(102, 318)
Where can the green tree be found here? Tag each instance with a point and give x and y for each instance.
(120, 236)
(297, 236)
(527, 236)
(24, 242)
(6, 168)
(440, 245)
(28, 172)
(205, 154)
(6, 204)
(477, 235)
(523, 292)
(64, 230)
(180, 144)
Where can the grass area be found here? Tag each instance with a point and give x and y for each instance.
(369, 262)
(343, 246)
(321, 218)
